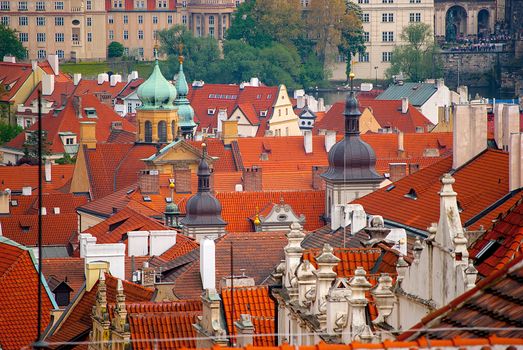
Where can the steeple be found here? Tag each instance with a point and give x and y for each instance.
(185, 111)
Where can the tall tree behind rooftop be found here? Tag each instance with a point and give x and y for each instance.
(9, 43)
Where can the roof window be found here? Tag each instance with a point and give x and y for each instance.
(412, 194)
(390, 188)
(147, 199)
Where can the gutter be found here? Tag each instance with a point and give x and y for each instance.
(276, 330)
(491, 207)
(415, 231)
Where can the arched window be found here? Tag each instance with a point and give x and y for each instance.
(173, 129)
(162, 132)
(148, 128)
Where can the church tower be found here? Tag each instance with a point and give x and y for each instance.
(157, 118)
(184, 108)
(351, 173)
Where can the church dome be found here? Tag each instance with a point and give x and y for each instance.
(172, 208)
(156, 92)
(185, 110)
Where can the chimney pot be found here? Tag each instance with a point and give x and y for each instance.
(207, 263)
(48, 169)
(404, 105)
(76, 78)
(307, 140)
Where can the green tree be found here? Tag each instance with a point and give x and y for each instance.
(416, 59)
(8, 132)
(115, 49)
(30, 148)
(10, 45)
(352, 41)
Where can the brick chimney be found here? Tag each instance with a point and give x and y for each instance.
(397, 171)
(88, 133)
(317, 182)
(149, 181)
(182, 180)
(252, 179)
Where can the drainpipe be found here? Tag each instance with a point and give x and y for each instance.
(276, 330)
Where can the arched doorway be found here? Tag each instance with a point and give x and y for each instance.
(483, 23)
(162, 132)
(455, 23)
(148, 131)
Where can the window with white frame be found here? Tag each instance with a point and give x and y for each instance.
(69, 140)
(363, 57)
(42, 54)
(5, 6)
(211, 20)
(387, 17)
(110, 19)
(59, 37)
(162, 4)
(89, 21)
(40, 6)
(125, 19)
(111, 35)
(58, 21)
(169, 19)
(23, 37)
(155, 34)
(366, 37)
(140, 35)
(125, 35)
(140, 19)
(59, 5)
(89, 4)
(363, 1)
(184, 19)
(40, 37)
(386, 56)
(89, 37)
(415, 17)
(211, 32)
(155, 19)
(387, 36)
(75, 37)
(60, 54)
(23, 21)
(5, 21)
(365, 18)
(40, 21)
(22, 5)
(126, 51)
(387, 1)
(140, 51)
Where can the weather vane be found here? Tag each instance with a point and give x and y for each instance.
(180, 50)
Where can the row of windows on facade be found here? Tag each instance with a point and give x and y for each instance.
(140, 4)
(41, 21)
(110, 19)
(162, 131)
(388, 1)
(365, 57)
(39, 5)
(58, 37)
(389, 17)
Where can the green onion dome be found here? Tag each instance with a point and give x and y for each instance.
(156, 92)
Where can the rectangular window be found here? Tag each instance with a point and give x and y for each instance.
(363, 1)
(125, 19)
(126, 51)
(387, 36)
(24, 37)
(75, 37)
(42, 54)
(415, 1)
(4, 6)
(22, 21)
(89, 4)
(59, 37)
(184, 19)
(89, 21)
(211, 32)
(60, 54)
(387, 1)
(155, 19)
(415, 17)
(211, 20)
(89, 37)
(140, 35)
(40, 21)
(155, 34)
(125, 35)
(59, 5)
(40, 6)
(387, 17)
(59, 21)
(40, 37)
(110, 19)
(386, 56)
(140, 19)
(363, 57)
(162, 4)
(366, 37)
(111, 35)
(22, 5)
(140, 51)
(365, 18)
(169, 19)
(5, 21)
(184, 3)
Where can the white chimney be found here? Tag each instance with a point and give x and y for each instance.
(463, 93)
(300, 102)
(44, 211)
(34, 65)
(321, 105)
(498, 124)
(102, 78)
(255, 82)
(85, 239)
(132, 76)
(510, 123)
(330, 139)
(401, 146)
(516, 165)
(56, 210)
(207, 263)
(161, 241)
(222, 116)
(48, 173)
(9, 59)
(114, 254)
(138, 243)
(54, 62)
(440, 83)
(47, 84)
(470, 133)
(238, 188)
(115, 79)
(307, 141)
(76, 78)
(27, 190)
(404, 105)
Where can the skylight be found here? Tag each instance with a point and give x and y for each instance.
(412, 194)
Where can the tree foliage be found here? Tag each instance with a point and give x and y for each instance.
(30, 148)
(352, 41)
(115, 49)
(8, 132)
(416, 58)
(9, 43)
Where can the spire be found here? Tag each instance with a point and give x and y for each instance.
(352, 111)
(185, 111)
(204, 172)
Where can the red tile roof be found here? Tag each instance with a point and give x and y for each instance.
(86, 87)
(18, 295)
(505, 239)
(183, 246)
(60, 87)
(256, 302)
(65, 202)
(386, 112)
(68, 121)
(70, 269)
(351, 258)
(12, 77)
(16, 177)
(477, 188)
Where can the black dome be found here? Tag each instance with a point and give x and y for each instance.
(203, 209)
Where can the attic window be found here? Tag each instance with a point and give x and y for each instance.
(25, 228)
(460, 208)
(263, 113)
(117, 224)
(130, 191)
(264, 156)
(168, 200)
(211, 111)
(14, 203)
(269, 96)
(412, 194)
(390, 188)
(420, 129)
(487, 251)
(147, 199)
(258, 97)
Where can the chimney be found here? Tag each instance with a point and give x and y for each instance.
(255, 82)
(85, 239)
(245, 330)
(9, 59)
(463, 93)
(92, 273)
(307, 141)
(54, 62)
(330, 139)
(230, 131)
(516, 165)
(112, 253)
(34, 65)
(48, 171)
(252, 179)
(138, 243)
(5, 202)
(401, 147)
(470, 133)
(77, 104)
(88, 134)
(47, 84)
(498, 124)
(413, 168)
(161, 241)
(300, 101)
(132, 76)
(102, 78)
(148, 275)
(27, 191)
(510, 123)
(115, 79)
(207, 263)
(182, 180)
(397, 171)
(440, 83)
(76, 78)
(404, 105)
(317, 182)
(321, 104)
(149, 181)
(56, 210)
(44, 211)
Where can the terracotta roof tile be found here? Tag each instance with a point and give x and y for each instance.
(351, 258)
(86, 87)
(183, 246)
(70, 269)
(17, 177)
(13, 76)
(19, 280)
(60, 87)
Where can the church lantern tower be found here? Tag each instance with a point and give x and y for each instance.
(185, 110)
(351, 173)
(157, 118)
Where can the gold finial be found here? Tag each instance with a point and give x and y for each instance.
(156, 48)
(257, 218)
(180, 50)
(351, 77)
(171, 185)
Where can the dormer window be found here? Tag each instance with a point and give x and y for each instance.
(211, 111)
(263, 113)
(69, 140)
(412, 194)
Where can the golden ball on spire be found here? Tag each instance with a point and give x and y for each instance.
(171, 185)
(204, 145)
(352, 75)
